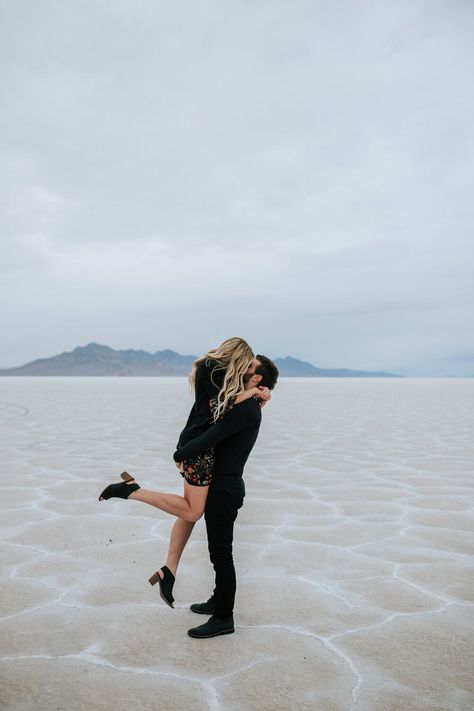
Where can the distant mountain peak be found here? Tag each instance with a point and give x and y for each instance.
(93, 347)
(289, 360)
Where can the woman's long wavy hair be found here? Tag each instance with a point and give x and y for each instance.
(234, 356)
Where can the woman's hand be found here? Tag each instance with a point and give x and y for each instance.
(247, 394)
(264, 396)
(261, 393)
(180, 466)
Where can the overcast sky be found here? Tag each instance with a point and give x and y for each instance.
(299, 173)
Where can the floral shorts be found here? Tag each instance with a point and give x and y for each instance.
(198, 471)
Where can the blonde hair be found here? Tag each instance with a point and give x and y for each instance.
(234, 356)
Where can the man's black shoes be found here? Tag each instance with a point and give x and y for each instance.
(213, 627)
(203, 608)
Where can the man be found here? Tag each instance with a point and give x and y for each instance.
(233, 438)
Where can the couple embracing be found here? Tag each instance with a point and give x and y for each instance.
(232, 385)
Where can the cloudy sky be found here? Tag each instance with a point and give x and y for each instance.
(296, 172)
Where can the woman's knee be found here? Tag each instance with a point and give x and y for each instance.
(196, 497)
(193, 515)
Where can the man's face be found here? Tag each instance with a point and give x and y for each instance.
(250, 378)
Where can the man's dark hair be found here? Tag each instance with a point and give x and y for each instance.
(268, 370)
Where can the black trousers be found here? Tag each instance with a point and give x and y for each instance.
(225, 498)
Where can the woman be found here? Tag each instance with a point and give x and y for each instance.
(218, 381)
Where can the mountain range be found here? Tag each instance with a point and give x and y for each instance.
(98, 360)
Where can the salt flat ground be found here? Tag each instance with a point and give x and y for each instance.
(353, 551)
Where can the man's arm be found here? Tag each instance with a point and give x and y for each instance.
(239, 418)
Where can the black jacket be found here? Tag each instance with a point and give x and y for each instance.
(207, 386)
(233, 438)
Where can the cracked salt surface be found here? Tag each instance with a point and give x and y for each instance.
(353, 551)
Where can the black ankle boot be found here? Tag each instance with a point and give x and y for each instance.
(122, 490)
(166, 584)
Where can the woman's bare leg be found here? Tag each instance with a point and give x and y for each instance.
(179, 537)
(189, 507)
